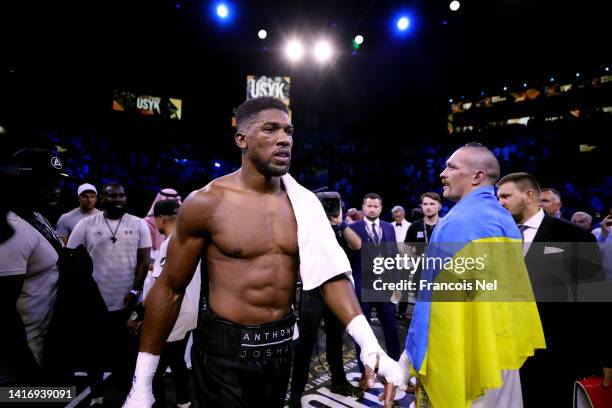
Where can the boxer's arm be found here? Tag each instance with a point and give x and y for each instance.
(339, 296)
(163, 302)
(185, 250)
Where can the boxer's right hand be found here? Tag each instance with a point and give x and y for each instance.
(141, 394)
(388, 370)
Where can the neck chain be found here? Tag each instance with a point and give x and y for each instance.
(116, 229)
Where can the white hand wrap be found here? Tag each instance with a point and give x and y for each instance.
(141, 394)
(362, 333)
(360, 330)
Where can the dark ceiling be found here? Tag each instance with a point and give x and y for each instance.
(61, 62)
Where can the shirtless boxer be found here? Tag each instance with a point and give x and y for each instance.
(241, 352)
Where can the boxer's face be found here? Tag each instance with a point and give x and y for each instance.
(268, 142)
(457, 176)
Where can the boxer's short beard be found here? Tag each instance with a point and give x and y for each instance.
(270, 170)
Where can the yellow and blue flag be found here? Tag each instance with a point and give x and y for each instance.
(460, 341)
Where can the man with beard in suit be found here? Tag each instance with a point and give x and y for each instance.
(558, 256)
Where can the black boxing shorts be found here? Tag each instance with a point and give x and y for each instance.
(241, 366)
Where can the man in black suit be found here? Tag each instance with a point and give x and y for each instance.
(378, 238)
(559, 256)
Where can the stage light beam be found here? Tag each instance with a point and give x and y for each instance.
(403, 23)
(294, 50)
(222, 11)
(322, 51)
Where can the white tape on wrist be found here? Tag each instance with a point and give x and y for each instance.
(146, 365)
(362, 333)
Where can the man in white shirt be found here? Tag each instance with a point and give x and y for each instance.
(119, 245)
(399, 223)
(88, 197)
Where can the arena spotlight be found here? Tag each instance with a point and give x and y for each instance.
(262, 34)
(294, 50)
(524, 84)
(217, 164)
(607, 69)
(403, 23)
(505, 88)
(356, 43)
(222, 11)
(322, 51)
(454, 5)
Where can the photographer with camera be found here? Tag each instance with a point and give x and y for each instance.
(313, 309)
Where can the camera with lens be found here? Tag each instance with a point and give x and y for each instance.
(331, 201)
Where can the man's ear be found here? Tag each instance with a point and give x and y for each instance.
(241, 140)
(479, 177)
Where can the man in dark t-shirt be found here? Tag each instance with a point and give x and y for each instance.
(419, 233)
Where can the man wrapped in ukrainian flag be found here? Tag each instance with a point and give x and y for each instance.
(467, 345)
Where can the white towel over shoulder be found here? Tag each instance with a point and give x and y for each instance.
(321, 257)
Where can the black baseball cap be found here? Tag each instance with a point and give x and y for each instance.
(36, 162)
(166, 207)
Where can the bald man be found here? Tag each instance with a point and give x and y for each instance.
(468, 168)
(446, 340)
(583, 220)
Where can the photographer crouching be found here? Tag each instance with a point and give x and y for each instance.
(313, 309)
